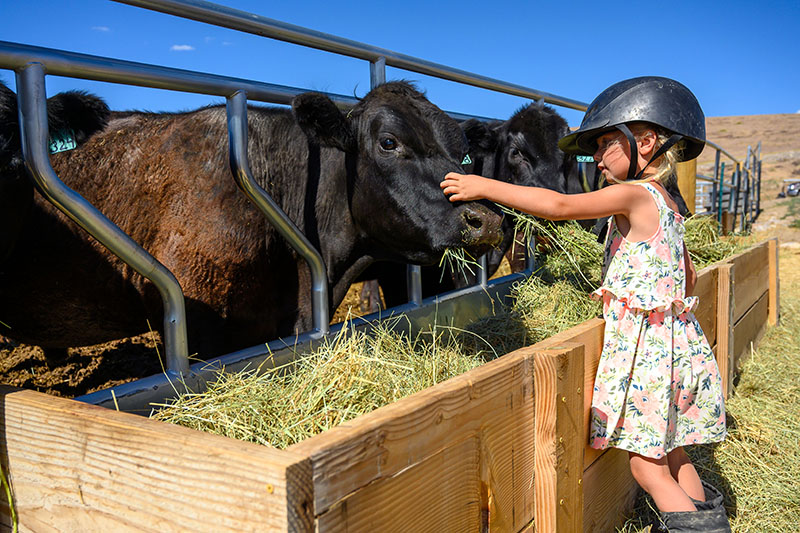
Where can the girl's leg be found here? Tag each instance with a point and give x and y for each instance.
(654, 476)
(682, 470)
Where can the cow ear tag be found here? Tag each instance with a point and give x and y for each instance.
(467, 160)
(61, 141)
(585, 158)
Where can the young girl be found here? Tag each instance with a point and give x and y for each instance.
(658, 387)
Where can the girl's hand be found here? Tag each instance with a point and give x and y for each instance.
(463, 187)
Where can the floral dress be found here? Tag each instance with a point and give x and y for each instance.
(658, 386)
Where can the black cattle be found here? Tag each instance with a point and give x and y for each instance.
(79, 113)
(362, 186)
(521, 150)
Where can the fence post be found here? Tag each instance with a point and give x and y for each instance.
(725, 327)
(687, 182)
(559, 447)
(758, 198)
(721, 189)
(774, 315)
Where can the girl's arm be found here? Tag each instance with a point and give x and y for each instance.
(691, 273)
(545, 203)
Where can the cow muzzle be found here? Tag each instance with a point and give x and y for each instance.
(480, 228)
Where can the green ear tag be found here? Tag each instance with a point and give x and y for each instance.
(61, 141)
(466, 160)
(585, 158)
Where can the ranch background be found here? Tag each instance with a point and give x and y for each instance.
(78, 371)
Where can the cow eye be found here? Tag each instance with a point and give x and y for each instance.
(388, 144)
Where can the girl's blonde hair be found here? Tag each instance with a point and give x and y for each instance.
(666, 165)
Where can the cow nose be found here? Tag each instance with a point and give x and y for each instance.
(472, 220)
(480, 226)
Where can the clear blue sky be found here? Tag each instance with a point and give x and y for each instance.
(738, 57)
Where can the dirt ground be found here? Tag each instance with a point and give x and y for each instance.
(78, 371)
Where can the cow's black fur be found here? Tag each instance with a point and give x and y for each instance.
(521, 150)
(361, 186)
(79, 112)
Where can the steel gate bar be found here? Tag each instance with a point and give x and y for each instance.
(236, 108)
(33, 123)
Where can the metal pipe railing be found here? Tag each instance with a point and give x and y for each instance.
(237, 133)
(33, 125)
(235, 19)
(21, 58)
(15, 56)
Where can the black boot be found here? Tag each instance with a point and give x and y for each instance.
(713, 498)
(710, 516)
(709, 521)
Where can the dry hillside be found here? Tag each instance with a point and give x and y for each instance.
(780, 151)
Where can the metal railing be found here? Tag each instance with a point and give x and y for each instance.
(739, 198)
(32, 64)
(255, 24)
(378, 58)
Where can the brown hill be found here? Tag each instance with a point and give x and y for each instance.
(780, 152)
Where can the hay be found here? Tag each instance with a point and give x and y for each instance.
(457, 262)
(349, 375)
(705, 243)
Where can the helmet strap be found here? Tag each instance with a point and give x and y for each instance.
(634, 150)
(675, 137)
(632, 174)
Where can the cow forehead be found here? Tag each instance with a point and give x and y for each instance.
(422, 124)
(539, 128)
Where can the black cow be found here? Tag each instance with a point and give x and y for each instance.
(521, 150)
(74, 111)
(362, 186)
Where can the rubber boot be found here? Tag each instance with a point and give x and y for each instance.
(710, 516)
(708, 521)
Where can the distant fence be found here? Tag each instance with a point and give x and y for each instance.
(732, 195)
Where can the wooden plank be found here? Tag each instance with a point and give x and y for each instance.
(590, 334)
(749, 330)
(687, 182)
(727, 222)
(706, 292)
(558, 385)
(750, 278)
(724, 328)
(440, 494)
(493, 403)
(78, 467)
(774, 284)
(610, 492)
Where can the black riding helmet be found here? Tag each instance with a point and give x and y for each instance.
(660, 101)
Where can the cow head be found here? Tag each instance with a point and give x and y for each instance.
(398, 148)
(81, 113)
(524, 149)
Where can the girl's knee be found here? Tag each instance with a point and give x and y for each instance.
(649, 472)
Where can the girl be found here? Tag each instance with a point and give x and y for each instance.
(658, 387)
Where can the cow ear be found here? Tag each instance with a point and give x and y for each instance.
(322, 122)
(481, 138)
(83, 113)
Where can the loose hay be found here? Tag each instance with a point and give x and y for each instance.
(352, 374)
(355, 373)
(707, 246)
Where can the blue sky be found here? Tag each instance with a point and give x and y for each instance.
(738, 57)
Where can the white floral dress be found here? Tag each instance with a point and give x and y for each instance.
(658, 386)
